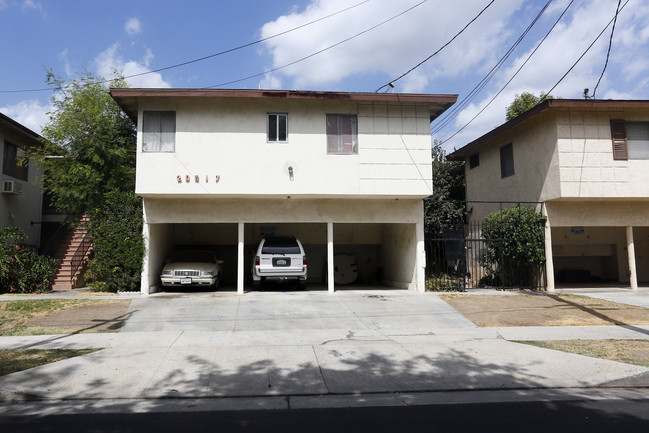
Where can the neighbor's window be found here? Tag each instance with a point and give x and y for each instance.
(14, 161)
(158, 131)
(637, 135)
(342, 134)
(474, 160)
(277, 127)
(506, 161)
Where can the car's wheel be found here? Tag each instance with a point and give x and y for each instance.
(218, 280)
(301, 285)
(256, 284)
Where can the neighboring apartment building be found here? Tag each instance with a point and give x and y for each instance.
(588, 160)
(21, 198)
(344, 172)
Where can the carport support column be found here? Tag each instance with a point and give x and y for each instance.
(549, 263)
(330, 257)
(240, 264)
(630, 249)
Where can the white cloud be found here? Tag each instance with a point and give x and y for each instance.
(31, 4)
(110, 60)
(558, 53)
(390, 49)
(133, 26)
(29, 113)
(270, 81)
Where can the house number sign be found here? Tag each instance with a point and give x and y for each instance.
(196, 178)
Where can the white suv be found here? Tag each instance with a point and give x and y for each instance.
(279, 258)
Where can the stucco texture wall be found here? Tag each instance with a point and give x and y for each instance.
(229, 141)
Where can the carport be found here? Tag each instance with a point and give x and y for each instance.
(385, 250)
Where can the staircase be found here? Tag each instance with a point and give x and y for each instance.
(73, 254)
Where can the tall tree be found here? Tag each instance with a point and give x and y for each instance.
(524, 102)
(90, 144)
(89, 166)
(445, 207)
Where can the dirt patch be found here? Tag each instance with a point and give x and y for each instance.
(545, 310)
(628, 351)
(105, 316)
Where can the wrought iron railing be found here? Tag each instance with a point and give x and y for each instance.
(79, 255)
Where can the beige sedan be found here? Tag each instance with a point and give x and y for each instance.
(192, 268)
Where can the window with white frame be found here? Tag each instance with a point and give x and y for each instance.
(277, 127)
(630, 139)
(14, 161)
(158, 131)
(342, 134)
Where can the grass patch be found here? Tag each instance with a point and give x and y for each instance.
(634, 352)
(12, 361)
(22, 317)
(541, 309)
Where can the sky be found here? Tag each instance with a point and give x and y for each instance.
(335, 45)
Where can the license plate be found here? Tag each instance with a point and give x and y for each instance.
(281, 262)
(185, 281)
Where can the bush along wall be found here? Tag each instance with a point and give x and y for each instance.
(118, 244)
(23, 270)
(515, 246)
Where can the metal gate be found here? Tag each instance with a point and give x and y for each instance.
(461, 257)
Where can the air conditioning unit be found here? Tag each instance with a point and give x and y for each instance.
(11, 187)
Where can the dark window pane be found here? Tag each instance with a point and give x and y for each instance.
(507, 160)
(272, 127)
(474, 160)
(282, 120)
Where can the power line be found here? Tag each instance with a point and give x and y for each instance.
(610, 43)
(452, 114)
(588, 49)
(220, 53)
(435, 53)
(320, 51)
(553, 87)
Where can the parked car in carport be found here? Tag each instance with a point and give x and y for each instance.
(279, 258)
(192, 268)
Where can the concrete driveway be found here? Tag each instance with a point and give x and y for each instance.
(262, 311)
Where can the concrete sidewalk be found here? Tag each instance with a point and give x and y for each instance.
(285, 359)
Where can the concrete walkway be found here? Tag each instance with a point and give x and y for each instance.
(274, 350)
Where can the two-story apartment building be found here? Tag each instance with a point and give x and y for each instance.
(21, 198)
(588, 161)
(343, 172)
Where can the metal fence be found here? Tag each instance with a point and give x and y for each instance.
(462, 257)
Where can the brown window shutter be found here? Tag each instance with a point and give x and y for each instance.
(618, 135)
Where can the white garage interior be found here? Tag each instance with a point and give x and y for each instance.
(384, 252)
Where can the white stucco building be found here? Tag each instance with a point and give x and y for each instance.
(588, 161)
(21, 199)
(344, 172)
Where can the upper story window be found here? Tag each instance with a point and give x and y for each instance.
(14, 161)
(158, 131)
(277, 130)
(474, 160)
(506, 160)
(342, 134)
(630, 139)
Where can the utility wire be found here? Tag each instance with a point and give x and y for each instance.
(452, 114)
(588, 49)
(610, 43)
(553, 87)
(220, 53)
(320, 51)
(435, 53)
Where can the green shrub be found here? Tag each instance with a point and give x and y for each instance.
(118, 245)
(515, 246)
(443, 283)
(23, 270)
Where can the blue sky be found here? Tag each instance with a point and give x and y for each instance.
(73, 36)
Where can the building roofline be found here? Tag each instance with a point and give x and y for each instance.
(461, 153)
(20, 127)
(127, 98)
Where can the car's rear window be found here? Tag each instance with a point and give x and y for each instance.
(193, 256)
(280, 245)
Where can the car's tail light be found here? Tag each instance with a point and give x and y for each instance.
(256, 260)
(303, 260)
